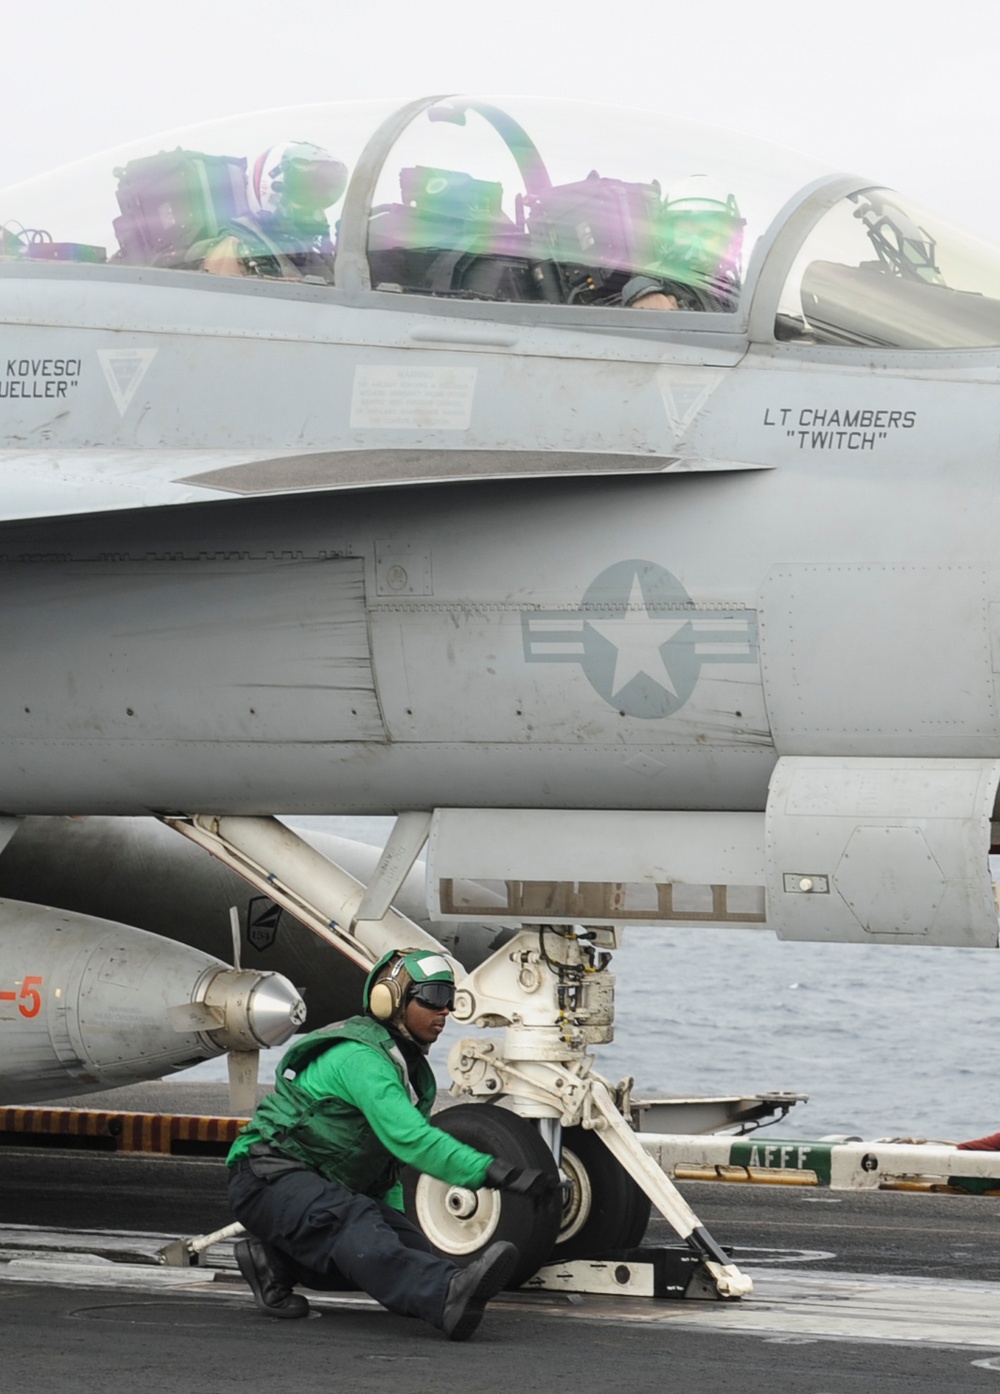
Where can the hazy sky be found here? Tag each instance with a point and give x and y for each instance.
(902, 92)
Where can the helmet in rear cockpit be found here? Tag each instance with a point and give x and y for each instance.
(701, 233)
(296, 182)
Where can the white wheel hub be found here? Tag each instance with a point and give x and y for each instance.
(454, 1219)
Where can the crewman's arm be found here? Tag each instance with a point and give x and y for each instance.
(367, 1079)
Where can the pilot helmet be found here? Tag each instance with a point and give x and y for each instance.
(296, 181)
(402, 974)
(701, 227)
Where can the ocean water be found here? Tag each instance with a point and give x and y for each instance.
(887, 1041)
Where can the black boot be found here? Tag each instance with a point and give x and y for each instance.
(472, 1287)
(273, 1296)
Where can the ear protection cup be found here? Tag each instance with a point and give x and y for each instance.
(386, 996)
(383, 1002)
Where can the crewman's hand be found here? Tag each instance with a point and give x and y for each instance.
(522, 1181)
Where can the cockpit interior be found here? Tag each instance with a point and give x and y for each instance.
(547, 206)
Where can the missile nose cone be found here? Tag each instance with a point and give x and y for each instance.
(276, 1011)
(244, 1010)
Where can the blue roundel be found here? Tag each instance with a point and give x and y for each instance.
(638, 639)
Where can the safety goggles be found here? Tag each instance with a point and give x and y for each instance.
(438, 996)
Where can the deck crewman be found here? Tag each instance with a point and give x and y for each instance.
(315, 1175)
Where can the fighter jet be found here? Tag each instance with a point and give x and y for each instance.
(609, 497)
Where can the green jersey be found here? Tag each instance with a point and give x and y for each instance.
(343, 1105)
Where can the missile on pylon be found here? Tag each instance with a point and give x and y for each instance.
(87, 1004)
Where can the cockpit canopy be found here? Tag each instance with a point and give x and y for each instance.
(877, 271)
(552, 205)
(564, 205)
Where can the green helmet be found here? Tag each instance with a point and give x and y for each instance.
(701, 232)
(402, 974)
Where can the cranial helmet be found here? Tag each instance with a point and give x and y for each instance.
(297, 181)
(403, 974)
(701, 226)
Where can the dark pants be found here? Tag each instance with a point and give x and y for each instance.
(326, 1237)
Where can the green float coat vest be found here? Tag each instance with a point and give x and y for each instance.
(329, 1134)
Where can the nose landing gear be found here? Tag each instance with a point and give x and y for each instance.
(550, 989)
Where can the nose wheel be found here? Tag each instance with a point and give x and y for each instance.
(460, 1223)
(605, 1210)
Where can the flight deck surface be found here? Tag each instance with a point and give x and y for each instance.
(853, 1292)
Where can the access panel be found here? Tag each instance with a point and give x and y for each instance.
(886, 851)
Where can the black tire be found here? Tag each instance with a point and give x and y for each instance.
(495, 1214)
(606, 1211)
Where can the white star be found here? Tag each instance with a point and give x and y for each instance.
(638, 637)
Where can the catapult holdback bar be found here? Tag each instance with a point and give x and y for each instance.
(841, 1166)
